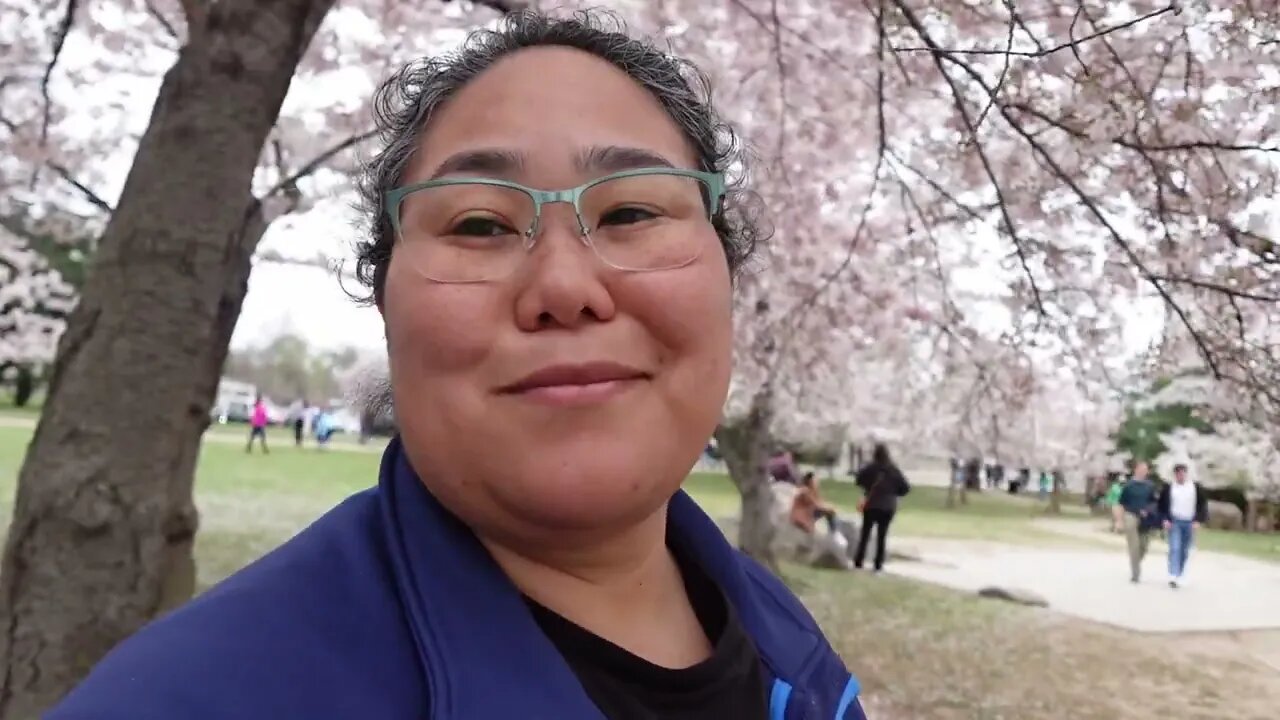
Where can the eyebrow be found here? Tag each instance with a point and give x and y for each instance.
(494, 162)
(484, 162)
(615, 158)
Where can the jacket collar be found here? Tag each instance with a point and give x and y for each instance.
(465, 614)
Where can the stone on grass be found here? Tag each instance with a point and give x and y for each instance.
(830, 552)
(1225, 516)
(903, 555)
(1013, 595)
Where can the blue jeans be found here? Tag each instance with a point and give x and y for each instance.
(1179, 546)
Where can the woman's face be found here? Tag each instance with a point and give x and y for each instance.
(529, 466)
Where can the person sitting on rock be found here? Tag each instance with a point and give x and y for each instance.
(809, 506)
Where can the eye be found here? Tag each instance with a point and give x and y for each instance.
(476, 226)
(626, 216)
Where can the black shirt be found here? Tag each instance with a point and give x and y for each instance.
(729, 684)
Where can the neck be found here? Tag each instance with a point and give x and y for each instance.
(624, 587)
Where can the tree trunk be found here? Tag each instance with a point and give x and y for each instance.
(104, 519)
(745, 446)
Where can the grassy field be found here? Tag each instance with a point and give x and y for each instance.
(921, 651)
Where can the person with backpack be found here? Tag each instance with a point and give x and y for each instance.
(883, 483)
(1141, 516)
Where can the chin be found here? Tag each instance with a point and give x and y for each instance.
(596, 489)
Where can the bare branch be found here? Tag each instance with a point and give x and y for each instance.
(93, 198)
(1217, 288)
(502, 6)
(59, 39)
(318, 261)
(1070, 44)
(1004, 71)
(315, 163)
(159, 17)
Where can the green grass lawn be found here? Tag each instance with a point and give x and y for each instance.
(251, 503)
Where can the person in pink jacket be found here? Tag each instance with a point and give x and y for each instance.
(258, 426)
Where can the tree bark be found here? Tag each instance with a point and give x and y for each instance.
(745, 446)
(104, 519)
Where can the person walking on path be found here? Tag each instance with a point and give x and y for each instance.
(1184, 507)
(883, 483)
(1138, 498)
(258, 426)
(1113, 504)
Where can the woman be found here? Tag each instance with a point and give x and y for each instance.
(558, 358)
(258, 425)
(882, 484)
(808, 506)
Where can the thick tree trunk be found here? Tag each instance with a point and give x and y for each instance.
(745, 446)
(104, 520)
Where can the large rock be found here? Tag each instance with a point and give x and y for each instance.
(831, 551)
(789, 541)
(1013, 595)
(1225, 516)
(822, 549)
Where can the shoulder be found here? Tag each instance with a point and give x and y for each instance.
(777, 600)
(817, 669)
(272, 641)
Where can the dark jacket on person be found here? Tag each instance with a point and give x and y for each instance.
(1202, 503)
(389, 607)
(884, 484)
(1137, 496)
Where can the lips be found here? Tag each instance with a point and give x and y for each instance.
(574, 375)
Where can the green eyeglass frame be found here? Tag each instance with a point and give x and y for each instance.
(714, 182)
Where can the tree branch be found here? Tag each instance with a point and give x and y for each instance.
(1218, 288)
(159, 17)
(315, 163)
(502, 6)
(941, 55)
(59, 39)
(93, 198)
(1070, 44)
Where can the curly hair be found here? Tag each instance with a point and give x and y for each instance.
(406, 101)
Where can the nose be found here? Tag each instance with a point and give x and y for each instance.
(563, 282)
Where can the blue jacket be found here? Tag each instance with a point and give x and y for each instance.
(388, 607)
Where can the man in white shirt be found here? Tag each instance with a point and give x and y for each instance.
(1184, 507)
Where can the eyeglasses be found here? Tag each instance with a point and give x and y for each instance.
(466, 230)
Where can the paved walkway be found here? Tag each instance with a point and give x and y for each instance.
(1221, 592)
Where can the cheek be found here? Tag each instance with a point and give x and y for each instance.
(435, 333)
(690, 316)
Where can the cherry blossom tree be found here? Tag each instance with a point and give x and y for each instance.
(1238, 445)
(1082, 157)
(104, 514)
(34, 302)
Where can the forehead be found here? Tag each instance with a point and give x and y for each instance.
(548, 108)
